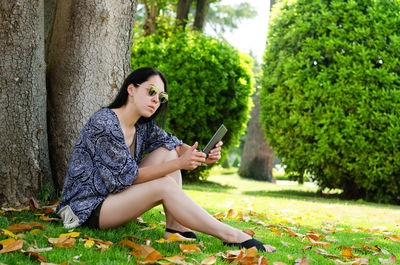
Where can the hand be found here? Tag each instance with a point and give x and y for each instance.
(192, 158)
(215, 154)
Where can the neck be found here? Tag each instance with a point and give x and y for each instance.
(127, 115)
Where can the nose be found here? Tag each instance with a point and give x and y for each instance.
(155, 98)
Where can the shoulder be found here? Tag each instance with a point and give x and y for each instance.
(104, 121)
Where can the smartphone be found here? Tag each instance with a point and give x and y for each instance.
(215, 139)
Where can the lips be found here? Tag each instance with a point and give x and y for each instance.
(152, 108)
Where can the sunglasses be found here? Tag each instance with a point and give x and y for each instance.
(152, 91)
(163, 96)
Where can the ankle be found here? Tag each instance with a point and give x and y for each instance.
(235, 236)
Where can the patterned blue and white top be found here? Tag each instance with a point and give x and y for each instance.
(101, 163)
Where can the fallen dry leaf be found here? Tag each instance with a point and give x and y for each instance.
(13, 246)
(302, 261)
(231, 213)
(35, 232)
(142, 252)
(72, 234)
(7, 241)
(37, 224)
(89, 244)
(8, 233)
(20, 227)
(278, 263)
(34, 255)
(175, 259)
(67, 242)
(178, 237)
(129, 244)
(249, 232)
(189, 248)
(151, 258)
(209, 260)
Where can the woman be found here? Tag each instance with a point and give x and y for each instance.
(109, 184)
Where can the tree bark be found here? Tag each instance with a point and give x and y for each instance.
(201, 13)
(23, 146)
(182, 12)
(257, 157)
(150, 24)
(89, 58)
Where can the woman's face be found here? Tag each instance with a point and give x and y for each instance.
(146, 103)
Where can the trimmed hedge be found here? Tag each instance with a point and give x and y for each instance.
(209, 83)
(331, 94)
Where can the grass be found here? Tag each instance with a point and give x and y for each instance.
(288, 209)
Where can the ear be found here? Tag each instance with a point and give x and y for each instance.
(130, 89)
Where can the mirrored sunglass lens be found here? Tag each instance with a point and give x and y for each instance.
(153, 90)
(163, 98)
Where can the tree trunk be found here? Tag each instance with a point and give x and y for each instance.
(23, 145)
(201, 13)
(149, 26)
(257, 157)
(89, 58)
(182, 12)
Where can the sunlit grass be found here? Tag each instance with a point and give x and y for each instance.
(293, 207)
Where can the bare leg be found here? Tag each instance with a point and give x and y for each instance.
(156, 157)
(125, 206)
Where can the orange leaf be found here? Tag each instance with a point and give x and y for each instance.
(6, 242)
(393, 237)
(129, 244)
(347, 254)
(278, 263)
(178, 237)
(13, 246)
(249, 232)
(142, 252)
(152, 257)
(18, 228)
(189, 248)
(231, 213)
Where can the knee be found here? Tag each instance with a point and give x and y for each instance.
(168, 184)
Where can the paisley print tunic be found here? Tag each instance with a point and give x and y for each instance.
(101, 163)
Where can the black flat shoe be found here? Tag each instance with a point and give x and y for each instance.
(188, 234)
(249, 244)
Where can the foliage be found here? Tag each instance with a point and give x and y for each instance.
(210, 83)
(331, 97)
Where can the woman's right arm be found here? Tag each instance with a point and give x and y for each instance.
(189, 160)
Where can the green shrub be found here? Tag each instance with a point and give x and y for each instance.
(209, 83)
(331, 93)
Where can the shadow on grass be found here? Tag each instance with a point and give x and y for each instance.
(296, 194)
(209, 186)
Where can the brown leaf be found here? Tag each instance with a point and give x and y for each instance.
(37, 224)
(249, 232)
(147, 240)
(13, 246)
(189, 248)
(278, 263)
(34, 255)
(129, 244)
(302, 261)
(142, 252)
(20, 227)
(99, 241)
(175, 259)
(33, 204)
(395, 238)
(209, 260)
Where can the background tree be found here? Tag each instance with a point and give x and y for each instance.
(257, 160)
(210, 83)
(88, 56)
(331, 94)
(88, 60)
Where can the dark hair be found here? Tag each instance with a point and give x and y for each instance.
(137, 77)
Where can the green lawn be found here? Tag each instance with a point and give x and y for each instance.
(290, 217)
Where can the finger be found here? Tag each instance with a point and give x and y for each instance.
(194, 146)
(219, 144)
